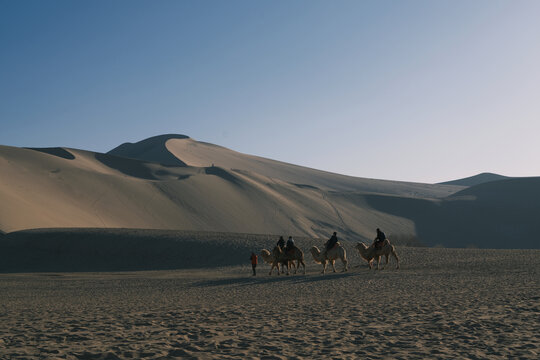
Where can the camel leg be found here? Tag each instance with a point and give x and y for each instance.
(345, 262)
(276, 265)
(324, 266)
(386, 263)
(396, 257)
(378, 262)
(333, 265)
(303, 265)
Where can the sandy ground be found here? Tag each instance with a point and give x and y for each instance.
(442, 303)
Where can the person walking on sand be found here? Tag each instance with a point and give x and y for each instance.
(254, 261)
(379, 239)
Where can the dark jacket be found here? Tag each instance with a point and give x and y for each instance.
(290, 243)
(380, 236)
(331, 242)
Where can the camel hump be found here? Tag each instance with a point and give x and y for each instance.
(380, 245)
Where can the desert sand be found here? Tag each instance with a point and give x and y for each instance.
(442, 303)
(143, 252)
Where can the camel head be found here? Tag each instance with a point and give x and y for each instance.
(277, 251)
(363, 250)
(361, 246)
(267, 257)
(316, 253)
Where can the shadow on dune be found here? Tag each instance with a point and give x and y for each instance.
(152, 150)
(94, 249)
(72, 250)
(55, 151)
(222, 173)
(500, 214)
(126, 166)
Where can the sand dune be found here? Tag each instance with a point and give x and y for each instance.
(152, 150)
(84, 189)
(173, 182)
(476, 179)
(497, 214)
(201, 154)
(95, 249)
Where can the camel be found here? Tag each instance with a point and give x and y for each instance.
(269, 258)
(287, 257)
(337, 252)
(371, 253)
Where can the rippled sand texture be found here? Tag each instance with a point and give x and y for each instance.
(442, 303)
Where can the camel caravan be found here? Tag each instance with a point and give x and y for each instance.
(290, 256)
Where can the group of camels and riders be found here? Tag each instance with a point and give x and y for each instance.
(289, 255)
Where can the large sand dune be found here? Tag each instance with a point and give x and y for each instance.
(173, 182)
(60, 187)
(499, 214)
(201, 154)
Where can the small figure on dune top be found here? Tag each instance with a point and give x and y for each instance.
(379, 240)
(281, 243)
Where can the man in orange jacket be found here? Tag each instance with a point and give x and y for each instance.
(254, 262)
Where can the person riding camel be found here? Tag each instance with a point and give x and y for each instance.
(379, 240)
(331, 243)
(281, 243)
(290, 244)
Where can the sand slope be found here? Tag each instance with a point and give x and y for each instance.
(75, 188)
(201, 154)
(174, 182)
(476, 179)
(499, 214)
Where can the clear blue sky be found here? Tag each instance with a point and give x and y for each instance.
(422, 91)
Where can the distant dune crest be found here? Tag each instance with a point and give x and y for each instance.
(152, 149)
(476, 179)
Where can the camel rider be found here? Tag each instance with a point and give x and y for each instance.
(331, 243)
(380, 238)
(290, 244)
(281, 243)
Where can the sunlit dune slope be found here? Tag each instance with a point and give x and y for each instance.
(75, 188)
(195, 153)
(173, 182)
